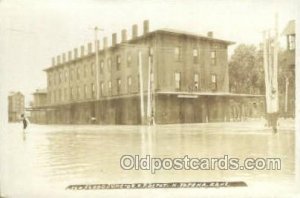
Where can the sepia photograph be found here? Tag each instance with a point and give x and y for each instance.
(149, 98)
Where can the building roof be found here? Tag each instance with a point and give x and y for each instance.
(40, 91)
(192, 94)
(12, 93)
(159, 31)
(185, 33)
(290, 28)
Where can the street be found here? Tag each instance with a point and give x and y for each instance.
(48, 158)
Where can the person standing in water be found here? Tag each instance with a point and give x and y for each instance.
(24, 121)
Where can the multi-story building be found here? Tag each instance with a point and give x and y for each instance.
(38, 110)
(173, 76)
(287, 68)
(16, 106)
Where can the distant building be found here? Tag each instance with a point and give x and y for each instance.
(15, 106)
(287, 96)
(187, 75)
(38, 110)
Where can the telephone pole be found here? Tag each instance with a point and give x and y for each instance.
(141, 88)
(271, 75)
(96, 29)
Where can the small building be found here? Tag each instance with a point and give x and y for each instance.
(287, 96)
(167, 75)
(16, 106)
(38, 110)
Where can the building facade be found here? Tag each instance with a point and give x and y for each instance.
(38, 111)
(165, 75)
(16, 106)
(287, 68)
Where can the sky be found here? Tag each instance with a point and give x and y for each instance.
(32, 31)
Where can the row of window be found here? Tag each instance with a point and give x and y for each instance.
(177, 78)
(195, 53)
(105, 89)
(75, 73)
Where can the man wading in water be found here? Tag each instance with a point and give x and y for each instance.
(25, 122)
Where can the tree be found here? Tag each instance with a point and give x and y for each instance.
(246, 73)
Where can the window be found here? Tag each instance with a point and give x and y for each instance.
(177, 53)
(60, 76)
(213, 57)
(85, 91)
(101, 88)
(93, 90)
(92, 68)
(151, 52)
(101, 66)
(78, 73)
(118, 60)
(109, 64)
(66, 94)
(195, 56)
(291, 42)
(177, 80)
(59, 95)
(118, 85)
(49, 97)
(129, 84)
(109, 87)
(196, 82)
(71, 74)
(54, 96)
(57, 77)
(62, 94)
(128, 60)
(214, 82)
(85, 70)
(71, 93)
(213, 78)
(78, 92)
(66, 75)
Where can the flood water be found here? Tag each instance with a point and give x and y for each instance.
(43, 162)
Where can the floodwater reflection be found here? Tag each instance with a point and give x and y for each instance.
(91, 154)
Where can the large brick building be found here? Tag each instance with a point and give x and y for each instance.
(185, 76)
(16, 106)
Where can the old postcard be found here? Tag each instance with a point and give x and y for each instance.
(151, 98)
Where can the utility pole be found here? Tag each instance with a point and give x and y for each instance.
(271, 70)
(97, 61)
(141, 88)
(96, 29)
(149, 105)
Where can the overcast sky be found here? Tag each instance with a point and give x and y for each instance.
(32, 31)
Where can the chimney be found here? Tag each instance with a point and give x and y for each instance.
(53, 61)
(104, 42)
(146, 26)
(114, 39)
(69, 55)
(58, 60)
(210, 34)
(75, 53)
(82, 51)
(134, 31)
(124, 35)
(89, 48)
(63, 58)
